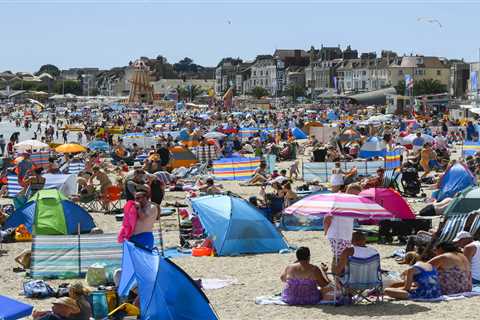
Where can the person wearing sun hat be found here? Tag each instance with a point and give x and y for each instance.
(471, 250)
(62, 308)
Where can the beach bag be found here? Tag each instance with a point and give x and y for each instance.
(99, 303)
(37, 289)
(96, 275)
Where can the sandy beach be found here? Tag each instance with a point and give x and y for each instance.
(258, 275)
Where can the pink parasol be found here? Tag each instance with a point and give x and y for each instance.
(391, 200)
(339, 204)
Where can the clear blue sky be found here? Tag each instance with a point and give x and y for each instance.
(83, 33)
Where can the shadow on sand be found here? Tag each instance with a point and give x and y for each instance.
(386, 308)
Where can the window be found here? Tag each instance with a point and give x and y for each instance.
(266, 73)
(400, 72)
(261, 73)
(254, 73)
(439, 72)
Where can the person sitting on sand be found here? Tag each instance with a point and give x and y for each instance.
(471, 250)
(260, 176)
(302, 280)
(80, 294)
(420, 280)
(359, 249)
(454, 271)
(62, 308)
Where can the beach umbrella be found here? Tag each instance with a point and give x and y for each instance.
(391, 200)
(30, 145)
(99, 145)
(70, 148)
(349, 135)
(409, 139)
(215, 135)
(339, 204)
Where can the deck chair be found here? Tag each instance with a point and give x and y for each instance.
(451, 227)
(475, 227)
(90, 202)
(390, 179)
(363, 279)
(112, 197)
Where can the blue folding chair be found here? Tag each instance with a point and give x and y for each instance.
(363, 279)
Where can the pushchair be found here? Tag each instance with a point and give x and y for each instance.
(410, 181)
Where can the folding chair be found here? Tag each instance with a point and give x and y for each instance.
(475, 227)
(362, 279)
(390, 179)
(89, 202)
(451, 227)
(111, 198)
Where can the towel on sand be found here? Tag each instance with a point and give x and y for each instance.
(211, 284)
(452, 297)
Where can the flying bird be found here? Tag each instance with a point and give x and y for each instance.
(430, 20)
(229, 21)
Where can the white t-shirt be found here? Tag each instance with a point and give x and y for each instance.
(337, 177)
(341, 228)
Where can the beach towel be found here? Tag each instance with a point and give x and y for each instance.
(451, 297)
(212, 284)
(129, 221)
(277, 300)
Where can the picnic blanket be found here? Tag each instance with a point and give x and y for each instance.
(452, 297)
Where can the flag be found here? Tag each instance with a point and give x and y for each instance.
(408, 81)
(474, 81)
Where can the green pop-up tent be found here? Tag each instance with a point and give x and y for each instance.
(49, 212)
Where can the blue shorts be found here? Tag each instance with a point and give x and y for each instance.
(144, 240)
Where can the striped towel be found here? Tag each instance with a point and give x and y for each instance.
(75, 167)
(40, 159)
(13, 187)
(70, 256)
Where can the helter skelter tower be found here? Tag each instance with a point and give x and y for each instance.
(141, 91)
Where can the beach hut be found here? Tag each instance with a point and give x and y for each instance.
(165, 290)
(49, 212)
(236, 226)
(457, 178)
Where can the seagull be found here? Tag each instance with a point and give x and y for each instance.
(229, 21)
(430, 20)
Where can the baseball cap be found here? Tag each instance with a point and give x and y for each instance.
(462, 235)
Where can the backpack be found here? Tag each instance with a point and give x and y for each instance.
(38, 289)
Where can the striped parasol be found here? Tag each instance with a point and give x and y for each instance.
(339, 204)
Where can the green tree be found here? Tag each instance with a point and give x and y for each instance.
(259, 92)
(295, 91)
(50, 69)
(189, 92)
(423, 87)
(68, 86)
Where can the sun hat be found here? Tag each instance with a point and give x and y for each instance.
(462, 235)
(68, 302)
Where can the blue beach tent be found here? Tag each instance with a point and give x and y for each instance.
(49, 212)
(236, 226)
(456, 179)
(298, 133)
(165, 290)
(373, 147)
(12, 309)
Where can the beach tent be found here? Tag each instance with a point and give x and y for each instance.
(390, 200)
(236, 226)
(373, 147)
(298, 133)
(165, 290)
(455, 180)
(49, 212)
(181, 157)
(465, 202)
(13, 309)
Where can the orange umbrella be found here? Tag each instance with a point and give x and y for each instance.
(70, 148)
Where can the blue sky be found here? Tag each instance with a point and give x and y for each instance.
(107, 33)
